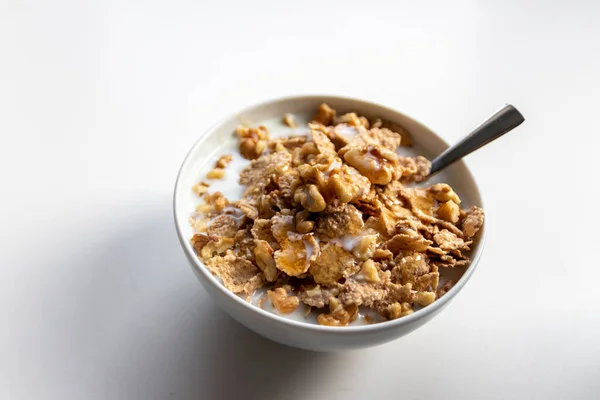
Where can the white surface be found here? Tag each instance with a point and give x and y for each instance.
(100, 102)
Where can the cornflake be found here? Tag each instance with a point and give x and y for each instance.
(328, 222)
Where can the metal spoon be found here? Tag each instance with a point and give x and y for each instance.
(505, 120)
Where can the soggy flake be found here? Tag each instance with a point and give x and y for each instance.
(359, 294)
(405, 241)
(317, 295)
(332, 264)
(447, 240)
(237, 274)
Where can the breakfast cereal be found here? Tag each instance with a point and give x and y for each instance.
(331, 221)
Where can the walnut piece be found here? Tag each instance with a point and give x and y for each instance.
(282, 302)
(338, 315)
(223, 161)
(332, 264)
(288, 119)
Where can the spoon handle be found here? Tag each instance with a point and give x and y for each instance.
(495, 126)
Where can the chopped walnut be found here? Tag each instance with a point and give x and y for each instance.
(223, 226)
(223, 161)
(473, 221)
(407, 241)
(201, 188)
(325, 115)
(282, 302)
(216, 173)
(288, 119)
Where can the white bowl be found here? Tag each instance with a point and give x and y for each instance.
(306, 335)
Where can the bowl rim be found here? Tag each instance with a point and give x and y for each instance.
(345, 330)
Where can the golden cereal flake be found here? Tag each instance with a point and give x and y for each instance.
(445, 288)
(419, 200)
(296, 254)
(358, 293)
(414, 169)
(200, 189)
(307, 195)
(448, 211)
(238, 275)
(263, 254)
(288, 119)
(339, 315)
(332, 264)
(281, 226)
(407, 241)
(216, 173)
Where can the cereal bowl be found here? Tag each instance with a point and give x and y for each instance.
(293, 329)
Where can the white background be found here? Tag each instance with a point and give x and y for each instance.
(99, 103)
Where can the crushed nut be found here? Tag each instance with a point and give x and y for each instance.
(282, 302)
(200, 189)
(288, 119)
(223, 161)
(216, 173)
